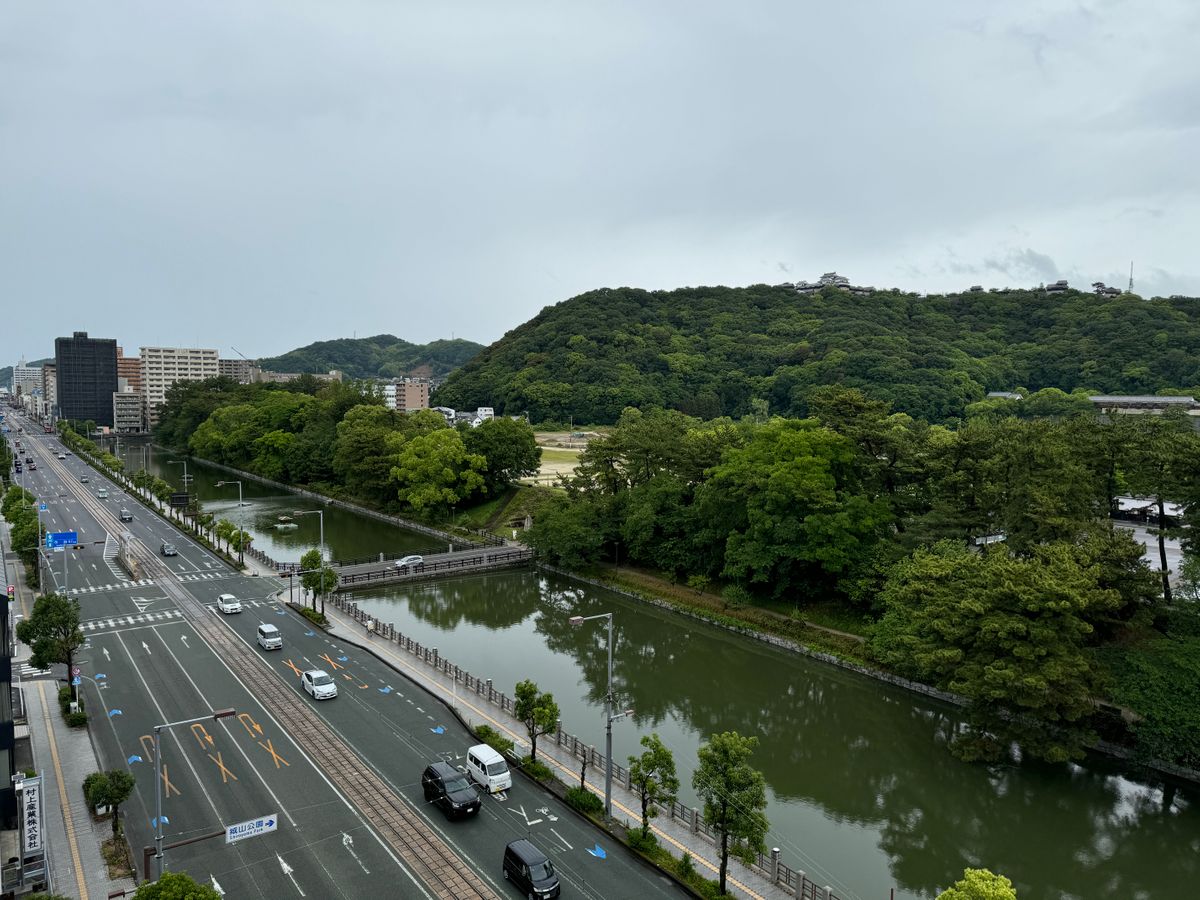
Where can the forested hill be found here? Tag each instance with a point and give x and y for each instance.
(711, 351)
(381, 356)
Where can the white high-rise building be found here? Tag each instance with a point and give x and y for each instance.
(163, 366)
(26, 378)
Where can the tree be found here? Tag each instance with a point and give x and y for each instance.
(653, 777)
(175, 886)
(509, 447)
(980, 884)
(52, 632)
(536, 711)
(1009, 633)
(435, 471)
(734, 796)
(110, 789)
(318, 578)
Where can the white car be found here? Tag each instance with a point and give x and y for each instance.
(407, 561)
(319, 684)
(227, 603)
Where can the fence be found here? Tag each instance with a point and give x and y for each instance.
(458, 564)
(768, 865)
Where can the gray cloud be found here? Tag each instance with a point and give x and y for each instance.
(274, 173)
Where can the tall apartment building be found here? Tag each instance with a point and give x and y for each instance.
(163, 366)
(237, 369)
(130, 368)
(86, 370)
(25, 378)
(128, 412)
(406, 394)
(50, 384)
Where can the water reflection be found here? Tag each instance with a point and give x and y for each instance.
(844, 757)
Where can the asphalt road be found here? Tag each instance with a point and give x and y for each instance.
(146, 661)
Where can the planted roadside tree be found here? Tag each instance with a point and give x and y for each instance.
(175, 886)
(52, 632)
(653, 777)
(110, 789)
(734, 796)
(535, 710)
(317, 578)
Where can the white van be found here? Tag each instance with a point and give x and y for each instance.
(488, 768)
(269, 637)
(102, 493)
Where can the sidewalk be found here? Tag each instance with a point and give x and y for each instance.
(672, 834)
(64, 757)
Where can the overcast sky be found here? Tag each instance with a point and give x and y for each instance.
(264, 174)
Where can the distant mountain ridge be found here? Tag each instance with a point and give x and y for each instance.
(380, 356)
(719, 351)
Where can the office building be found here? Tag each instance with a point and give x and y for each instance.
(86, 370)
(237, 369)
(25, 378)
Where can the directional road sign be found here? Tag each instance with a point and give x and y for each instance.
(42, 507)
(251, 828)
(55, 539)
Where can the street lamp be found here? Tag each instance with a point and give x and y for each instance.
(181, 462)
(239, 484)
(158, 778)
(609, 718)
(321, 514)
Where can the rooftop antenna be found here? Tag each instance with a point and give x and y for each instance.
(1131, 276)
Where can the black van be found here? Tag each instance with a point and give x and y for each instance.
(450, 789)
(528, 868)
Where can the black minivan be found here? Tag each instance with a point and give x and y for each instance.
(528, 868)
(450, 789)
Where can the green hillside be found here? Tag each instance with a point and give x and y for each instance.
(381, 356)
(711, 351)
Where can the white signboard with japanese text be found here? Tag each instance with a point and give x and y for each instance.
(31, 815)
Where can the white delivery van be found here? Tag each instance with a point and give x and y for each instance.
(488, 769)
(270, 637)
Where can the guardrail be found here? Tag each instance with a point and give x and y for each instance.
(767, 865)
(468, 561)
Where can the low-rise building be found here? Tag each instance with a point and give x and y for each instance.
(406, 394)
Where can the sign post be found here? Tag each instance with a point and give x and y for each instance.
(251, 828)
(56, 539)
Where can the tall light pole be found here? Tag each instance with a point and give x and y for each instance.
(158, 778)
(609, 718)
(186, 477)
(239, 484)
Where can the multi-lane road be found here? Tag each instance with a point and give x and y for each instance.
(342, 777)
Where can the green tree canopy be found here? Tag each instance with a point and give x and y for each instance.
(652, 775)
(980, 884)
(734, 797)
(52, 631)
(536, 710)
(175, 886)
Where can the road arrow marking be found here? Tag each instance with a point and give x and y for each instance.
(288, 871)
(343, 659)
(216, 887)
(115, 712)
(154, 822)
(133, 759)
(385, 690)
(106, 656)
(99, 676)
(183, 637)
(438, 730)
(309, 633)
(348, 843)
(146, 647)
(598, 852)
(520, 811)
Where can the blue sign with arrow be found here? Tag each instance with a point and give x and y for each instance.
(56, 539)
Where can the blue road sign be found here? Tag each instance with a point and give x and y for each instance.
(251, 828)
(76, 681)
(56, 539)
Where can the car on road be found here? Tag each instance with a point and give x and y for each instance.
(33, 467)
(102, 493)
(319, 684)
(486, 766)
(83, 479)
(168, 549)
(528, 868)
(17, 468)
(450, 789)
(62, 456)
(227, 603)
(126, 516)
(413, 560)
(269, 637)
